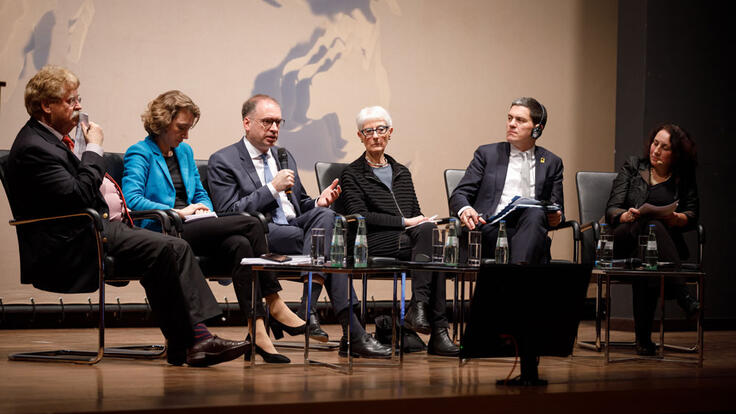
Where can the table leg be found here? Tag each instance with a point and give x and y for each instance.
(661, 315)
(608, 319)
(306, 332)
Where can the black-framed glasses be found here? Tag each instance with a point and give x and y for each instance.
(268, 122)
(380, 130)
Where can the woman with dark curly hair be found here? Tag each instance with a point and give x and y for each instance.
(664, 175)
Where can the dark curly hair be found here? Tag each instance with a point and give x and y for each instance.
(684, 151)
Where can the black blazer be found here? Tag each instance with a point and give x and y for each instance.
(482, 185)
(363, 193)
(235, 186)
(46, 179)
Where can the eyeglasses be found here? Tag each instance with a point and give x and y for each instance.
(73, 100)
(379, 131)
(268, 122)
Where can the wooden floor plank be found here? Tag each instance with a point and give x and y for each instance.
(425, 383)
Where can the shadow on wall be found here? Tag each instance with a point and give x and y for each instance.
(311, 140)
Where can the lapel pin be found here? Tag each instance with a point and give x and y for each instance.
(541, 160)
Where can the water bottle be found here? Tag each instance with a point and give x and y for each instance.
(502, 244)
(451, 244)
(337, 245)
(604, 249)
(360, 251)
(651, 255)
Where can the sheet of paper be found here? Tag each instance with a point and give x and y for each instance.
(295, 260)
(429, 220)
(657, 211)
(200, 216)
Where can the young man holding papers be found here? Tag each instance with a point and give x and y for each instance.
(517, 168)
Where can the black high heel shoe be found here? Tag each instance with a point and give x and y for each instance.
(268, 357)
(278, 329)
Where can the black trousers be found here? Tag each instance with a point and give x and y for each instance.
(296, 238)
(646, 292)
(526, 231)
(176, 289)
(229, 239)
(428, 287)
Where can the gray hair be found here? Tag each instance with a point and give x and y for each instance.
(372, 113)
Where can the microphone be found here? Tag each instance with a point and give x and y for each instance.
(283, 163)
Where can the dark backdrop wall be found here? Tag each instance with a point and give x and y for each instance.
(673, 66)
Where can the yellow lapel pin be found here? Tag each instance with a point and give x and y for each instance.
(541, 160)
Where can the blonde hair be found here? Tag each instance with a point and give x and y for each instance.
(49, 84)
(162, 110)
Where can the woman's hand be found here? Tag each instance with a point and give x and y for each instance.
(197, 208)
(408, 222)
(675, 220)
(629, 216)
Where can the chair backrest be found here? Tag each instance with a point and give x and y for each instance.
(452, 179)
(326, 173)
(202, 168)
(115, 166)
(594, 188)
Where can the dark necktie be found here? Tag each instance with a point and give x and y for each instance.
(279, 217)
(68, 142)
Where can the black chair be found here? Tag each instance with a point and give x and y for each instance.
(452, 179)
(107, 274)
(594, 189)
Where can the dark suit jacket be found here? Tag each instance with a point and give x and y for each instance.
(482, 185)
(46, 179)
(235, 186)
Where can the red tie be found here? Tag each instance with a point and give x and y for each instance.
(126, 215)
(68, 142)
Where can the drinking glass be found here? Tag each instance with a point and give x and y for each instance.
(318, 247)
(438, 245)
(474, 248)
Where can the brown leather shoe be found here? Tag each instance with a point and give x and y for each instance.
(214, 351)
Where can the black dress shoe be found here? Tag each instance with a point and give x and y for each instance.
(416, 318)
(176, 357)
(268, 357)
(315, 331)
(365, 347)
(215, 350)
(441, 344)
(278, 329)
(646, 348)
(689, 305)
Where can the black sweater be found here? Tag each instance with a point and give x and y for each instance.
(363, 193)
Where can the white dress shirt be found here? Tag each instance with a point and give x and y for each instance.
(512, 185)
(255, 156)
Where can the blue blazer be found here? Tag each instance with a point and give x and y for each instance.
(147, 183)
(235, 186)
(482, 185)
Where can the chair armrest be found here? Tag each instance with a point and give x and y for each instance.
(176, 221)
(572, 224)
(93, 215)
(159, 215)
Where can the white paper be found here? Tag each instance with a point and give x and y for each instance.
(657, 211)
(429, 220)
(195, 217)
(295, 261)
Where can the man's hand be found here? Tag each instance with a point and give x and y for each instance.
(629, 216)
(330, 194)
(554, 218)
(197, 208)
(470, 218)
(283, 180)
(408, 222)
(93, 134)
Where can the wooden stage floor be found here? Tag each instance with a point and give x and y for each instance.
(581, 383)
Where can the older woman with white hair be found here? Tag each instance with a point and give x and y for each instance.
(379, 188)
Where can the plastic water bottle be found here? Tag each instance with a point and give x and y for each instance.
(360, 251)
(502, 244)
(337, 245)
(451, 244)
(604, 249)
(651, 255)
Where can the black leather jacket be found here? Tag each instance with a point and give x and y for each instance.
(631, 189)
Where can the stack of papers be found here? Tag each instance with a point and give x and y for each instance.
(295, 261)
(200, 216)
(518, 203)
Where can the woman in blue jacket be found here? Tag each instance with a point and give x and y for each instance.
(160, 173)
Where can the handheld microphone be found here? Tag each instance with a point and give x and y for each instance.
(283, 163)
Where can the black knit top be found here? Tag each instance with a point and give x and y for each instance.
(363, 193)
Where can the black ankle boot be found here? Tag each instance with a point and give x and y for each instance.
(315, 330)
(688, 304)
